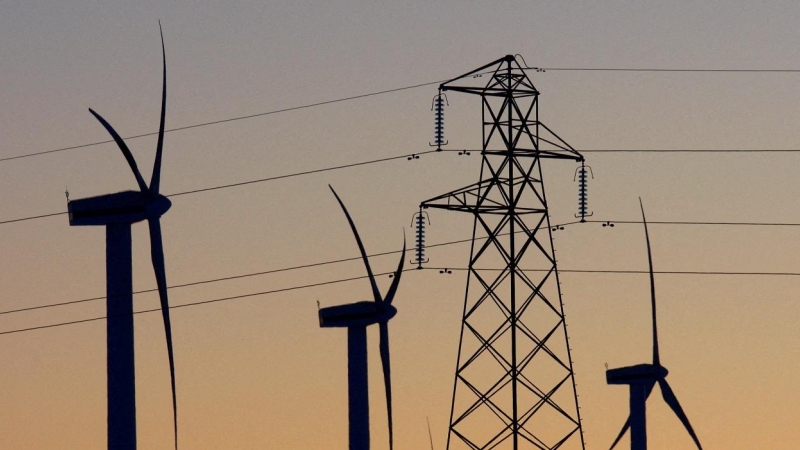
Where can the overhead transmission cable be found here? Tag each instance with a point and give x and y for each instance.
(310, 265)
(221, 121)
(243, 183)
(406, 156)
(643, 272)
(355, 97)
(196, 283)
(664, 150)
(335, 261)
(680, 150)
(342, 280)
(657, 70)
(689, 222)
(203, 302)
(235, 277)
(387, 91)
(308, 172)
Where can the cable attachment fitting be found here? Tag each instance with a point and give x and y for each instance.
(438, 120)
(581, 174)
(526, 66)
(418, 222)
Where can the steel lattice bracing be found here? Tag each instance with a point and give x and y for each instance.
(514, 384)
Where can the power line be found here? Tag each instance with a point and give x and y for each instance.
(638, 272)
(342, 280)
(676, 222)
(685, 272)
(679, 150)
(217, 122)
(22, 219)
(387, 91)
(204, 302)
(441, 244)
(392, 158)
(459, 241)
(246, 275)
(651, 69)
(279, 177)
(654, 150)
(234, 277)
(243, 183)
(195, 283)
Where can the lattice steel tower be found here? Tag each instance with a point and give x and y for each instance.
(514, 384)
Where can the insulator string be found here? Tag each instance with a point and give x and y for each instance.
(582, 175)
(438, 120)
(418, 222)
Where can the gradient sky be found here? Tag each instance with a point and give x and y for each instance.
(258, 372)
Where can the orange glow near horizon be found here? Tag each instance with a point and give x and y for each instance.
(256, 371)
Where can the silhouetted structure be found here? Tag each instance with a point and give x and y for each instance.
(582, 175)
(418, 222)
(356, 317)
(438, 123)
(514, 385)
(642, 378)
(117, 212)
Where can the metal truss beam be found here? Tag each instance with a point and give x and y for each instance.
(514, 384)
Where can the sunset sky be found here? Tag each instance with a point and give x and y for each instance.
(257, 372)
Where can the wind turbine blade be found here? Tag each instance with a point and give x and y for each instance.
(649, 390)
(430, 436)
(621, 433)
(157, 254)
(656, 358)
(375, 292)
(125, 150)
(398, 272)
(387, 376)
(672, 401)
(155, 181)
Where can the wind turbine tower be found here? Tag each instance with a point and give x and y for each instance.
(514, 384)
(356, 317)
(117, 212)
(642, 378)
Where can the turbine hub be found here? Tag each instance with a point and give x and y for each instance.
(157, 205)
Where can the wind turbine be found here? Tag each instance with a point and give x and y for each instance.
(430, 436)
(642, 378)
(117, 212)
(356, 317)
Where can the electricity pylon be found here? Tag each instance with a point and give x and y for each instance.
(514, 384)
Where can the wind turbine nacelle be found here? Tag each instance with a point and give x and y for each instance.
(118, 208)
(359, 314)
(641, 373)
